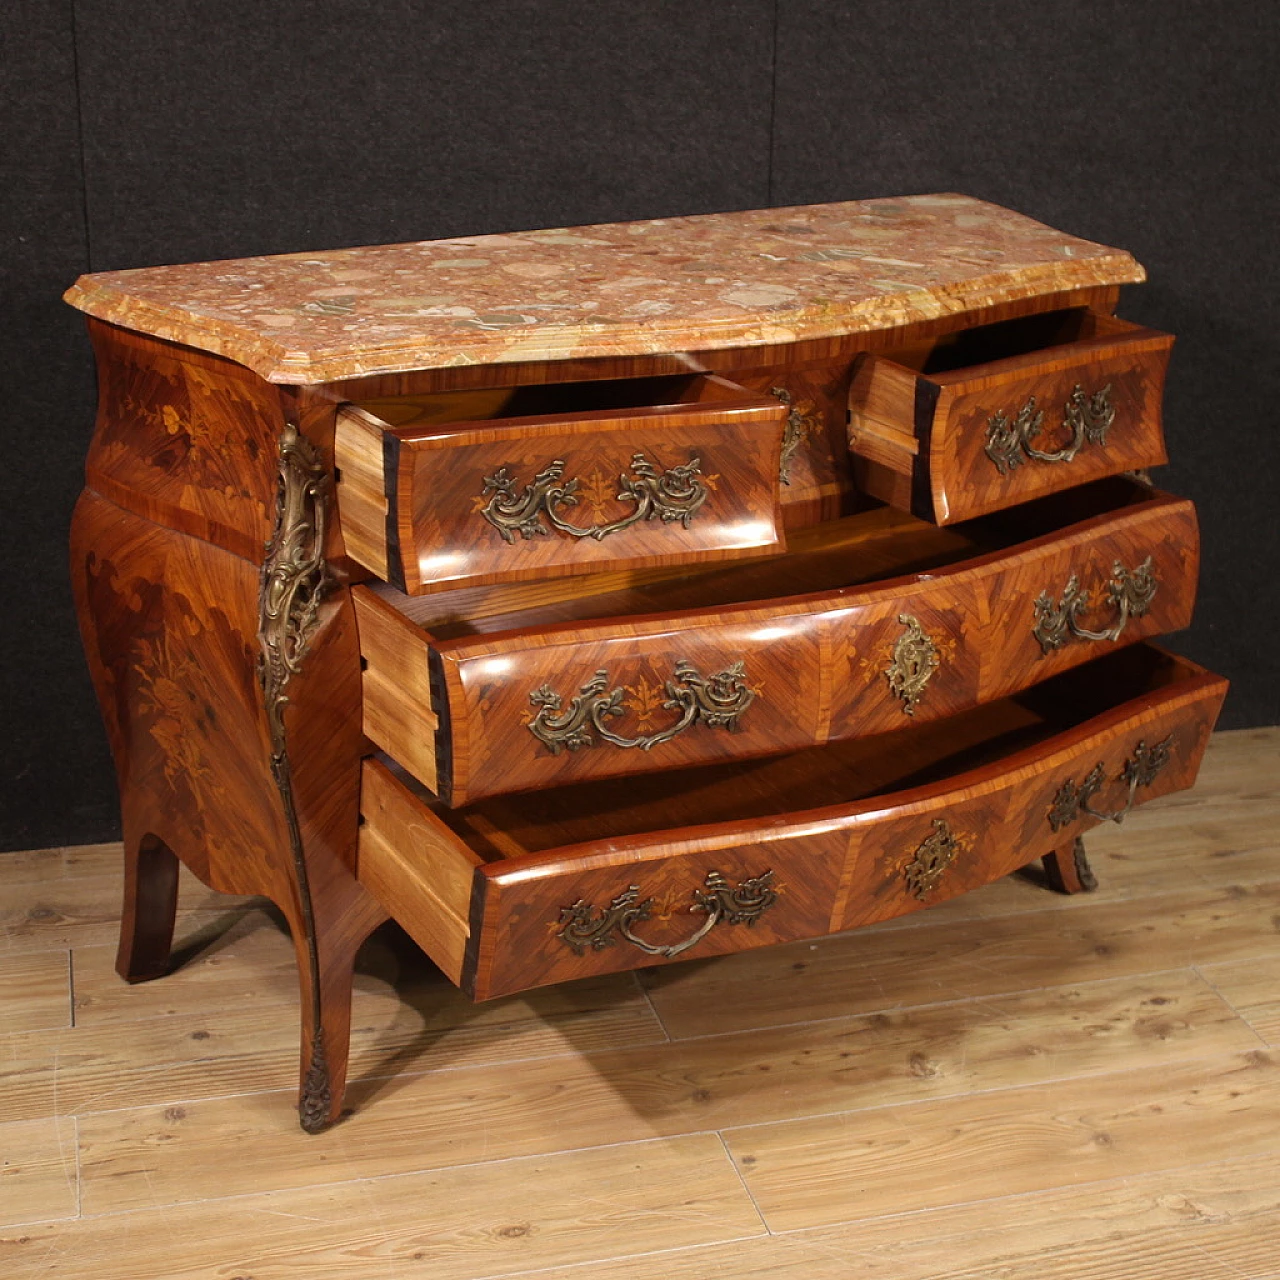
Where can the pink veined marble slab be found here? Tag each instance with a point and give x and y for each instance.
(619, 289)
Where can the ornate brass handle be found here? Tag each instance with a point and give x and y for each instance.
(675, 494)
(1140, 770)
(1088, 416)
(1130, 591)
(717, 701)
(582, 930)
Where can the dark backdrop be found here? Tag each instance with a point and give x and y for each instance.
(139, 132)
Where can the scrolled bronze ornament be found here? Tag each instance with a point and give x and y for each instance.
(1129, 592)
(582, 929)
(532, 512)
(717, 701)
(911, 666)
(925, 868)
(1140, 770)
(798, 426)
(1088, 416)
(294, 580)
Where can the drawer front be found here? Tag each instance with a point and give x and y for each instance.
(503, 500)
(948, 447)
(561, 704)
(623, 903)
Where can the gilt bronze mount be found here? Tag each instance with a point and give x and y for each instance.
(911, 666)
(925, 868)
(1088, 417)
(582, 929)
(1130, 591)
(676, 494)
(1140, 770)
(717, 701)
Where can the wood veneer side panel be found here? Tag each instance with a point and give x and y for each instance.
(170, 630)
(185, 439)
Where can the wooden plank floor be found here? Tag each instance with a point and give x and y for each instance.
(1015, 1085)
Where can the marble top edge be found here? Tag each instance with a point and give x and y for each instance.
(703, 281)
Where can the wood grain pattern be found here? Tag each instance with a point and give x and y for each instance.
(921, 436)
(185, 439)
(396, 687)
(1217, 1221)
(837, 864)
(817, 663)
(1007, 1143)
(142, 1157)
(1252, 989)
(39, 1178)
(170, 626)
(438, 477)
(35, 990)
(453, 1225)
(1007, 993)
(966, 955)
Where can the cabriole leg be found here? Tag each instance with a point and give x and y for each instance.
(150, 909)
(1068, 870)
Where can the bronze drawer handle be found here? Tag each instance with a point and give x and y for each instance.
(582, 930)
(1130, 591)
(1088, 416)
(1140, 770)
(718, 701)
(675, 494)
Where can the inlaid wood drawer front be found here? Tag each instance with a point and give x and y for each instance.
(485, 487)
(550, 703)
(948, 438)
(608, 876)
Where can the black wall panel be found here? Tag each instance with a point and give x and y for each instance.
(1145, 124)
(159, 132)
(57, 784)
(317, 125)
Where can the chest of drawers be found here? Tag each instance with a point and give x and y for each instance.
(586, 599)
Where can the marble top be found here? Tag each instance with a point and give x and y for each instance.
(619, 289)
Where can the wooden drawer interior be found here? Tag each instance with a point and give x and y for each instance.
(816, 818)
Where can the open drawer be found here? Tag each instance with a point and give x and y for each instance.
(508, 689)
(541, 481)
(603, 876)
(998, 414)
